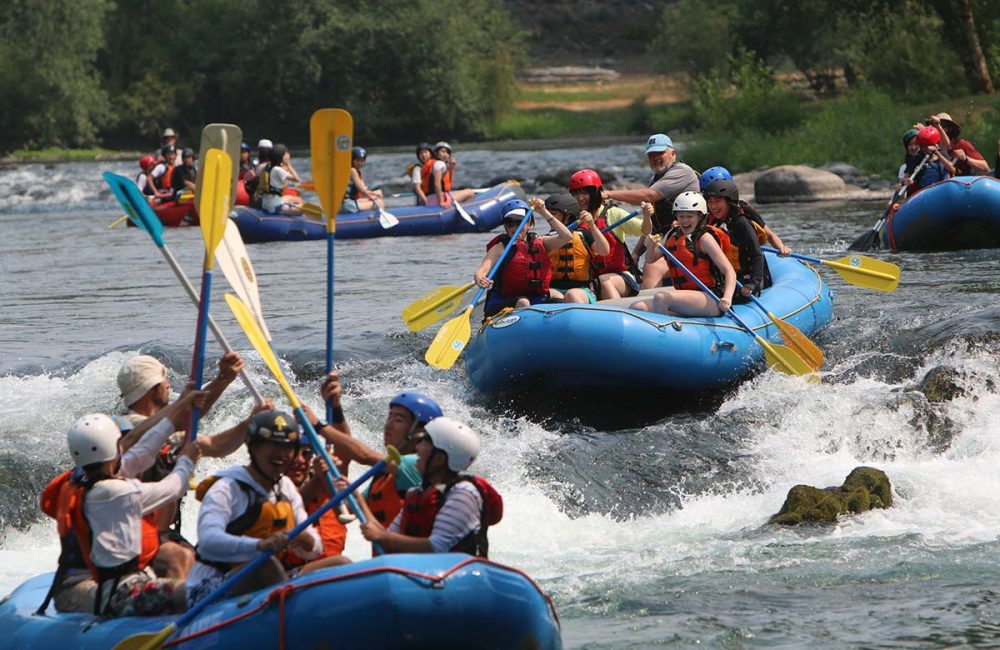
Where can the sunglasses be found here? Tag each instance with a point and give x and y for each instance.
(291, 436)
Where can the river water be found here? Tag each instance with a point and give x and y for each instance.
(645, 535)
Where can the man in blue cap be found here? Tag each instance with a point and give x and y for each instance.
(670, 178)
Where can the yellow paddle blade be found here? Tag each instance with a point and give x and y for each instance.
(392, 455)
(213, 204)
(226, 137)
(331, 133)
(312, 210)
(450, 341)
(185, 197)
(146, 640)
(785, 360)
(246, 320)
(433, 306)
(867, 272)
(799, 343)
(120, 220)
(308, 186)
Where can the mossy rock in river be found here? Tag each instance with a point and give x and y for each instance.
(864, 489)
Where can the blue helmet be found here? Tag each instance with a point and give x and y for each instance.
(359, 152)
(423, 408)
(516, 208)
(244, 146)
(714, 174)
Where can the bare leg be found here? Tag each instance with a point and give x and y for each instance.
(463, 195)
(522, 303)
(685, 303)
(269, 573)
(653, 273)
(335, 560)
(576, 295)
(173, 560)
(612, 286)
(640, 305)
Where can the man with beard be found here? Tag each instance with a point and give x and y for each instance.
(670, 178)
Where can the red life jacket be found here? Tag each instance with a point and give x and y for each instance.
(526, 270)
(384, 500)
(421, 506)
(689, 254)
(427, 177)
(62, 499)
(614, 261)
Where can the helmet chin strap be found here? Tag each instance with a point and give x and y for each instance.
(260, 470)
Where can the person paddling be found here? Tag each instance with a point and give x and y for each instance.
(937, 168)
(698, 247)
(616, 272)
(358, 196)
(450, 511)
(525, 273)
(724, 211)
(249, 508)
(572, 264)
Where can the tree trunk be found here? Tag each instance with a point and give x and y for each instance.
(977, 67)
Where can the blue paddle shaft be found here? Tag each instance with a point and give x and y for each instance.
(701, 285)
(329, 316)
(628, 217)
(255, 563)
(510, 244)
(797, 256)
(198, 369)
(320, 449)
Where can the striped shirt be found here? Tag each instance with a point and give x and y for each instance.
(459, 515)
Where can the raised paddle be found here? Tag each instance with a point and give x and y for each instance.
(858, 270)
(142, 216)
(443, 301)
(331, 133)
(153, 640)
(266, 352)
(450, 340)
(213, 209)
(872, 238)
(793, 336)
(226, 137)
(777, 356)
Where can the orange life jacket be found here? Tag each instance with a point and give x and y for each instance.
(427, 177)
(63, 499)
(421, 506)
(331, 531)
(733, 252)
(384, 500)
(526, 269)
(571, 263)
(689, 254)
(261, 518)
(166, 181)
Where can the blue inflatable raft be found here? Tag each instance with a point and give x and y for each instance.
(258, 226)
(553, 347)
(961, 212)
(397, 601)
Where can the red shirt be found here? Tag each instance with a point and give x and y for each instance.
(962, 166)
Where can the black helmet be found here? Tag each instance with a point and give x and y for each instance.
(563, 202)
(278, 154)
(422, 146)
(723, 188)
(274, 426)
(167, 149)
(187, 153)
(359, 152)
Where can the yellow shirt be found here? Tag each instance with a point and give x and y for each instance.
(631, 227)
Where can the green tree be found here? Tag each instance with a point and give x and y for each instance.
(695, 37)
(50, 93)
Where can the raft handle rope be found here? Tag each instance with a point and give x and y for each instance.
(281, 593)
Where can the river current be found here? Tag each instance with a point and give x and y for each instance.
(645, 535)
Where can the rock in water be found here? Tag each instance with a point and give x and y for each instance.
(864, 489)
(798, 183)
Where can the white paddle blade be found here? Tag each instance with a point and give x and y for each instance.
(465, 215)
(232, 258)
(387, 219)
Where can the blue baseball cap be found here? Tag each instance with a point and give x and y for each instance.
(659, 142)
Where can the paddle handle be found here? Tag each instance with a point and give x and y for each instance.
(198, 363)
(329, 314)
(263, 557)
(701, 285)
(510, 244)
(172, 261)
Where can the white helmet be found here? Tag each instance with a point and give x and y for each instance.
(455, 439)
(690, 202)
(93, 439)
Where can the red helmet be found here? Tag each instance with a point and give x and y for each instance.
(585, 178)
(928, 136)
(146, 161)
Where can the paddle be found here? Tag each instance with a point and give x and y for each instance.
(857, 270)
(443, 301)
(152, 640)
(793, 336)
(142, 215)
(777, 356)
(185, 197)
(331, 131)
(256, 337)
(872, 238)
(462, 213)
(226, 137)
(213, 209)
(450, 340)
